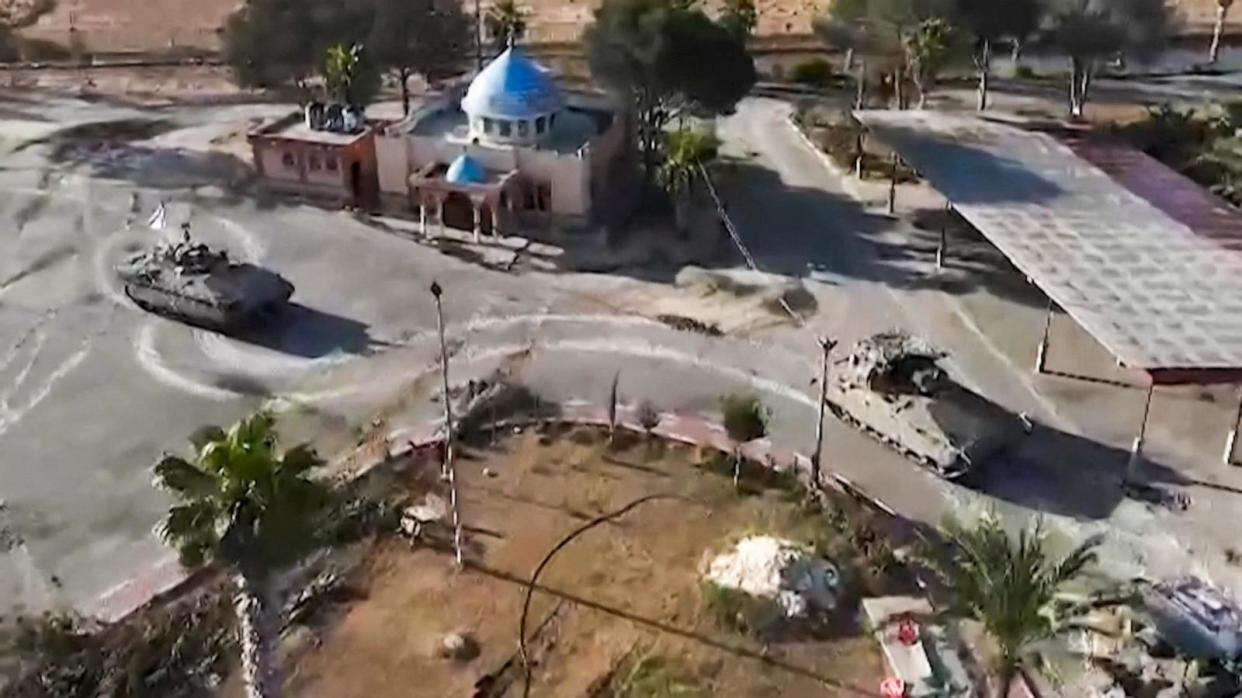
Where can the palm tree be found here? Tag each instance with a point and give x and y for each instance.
(248, 508)
(686, 150)
(506, 23)
(1222, 13)
(1010, 585)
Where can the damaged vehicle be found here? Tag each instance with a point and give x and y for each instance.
(891, 385)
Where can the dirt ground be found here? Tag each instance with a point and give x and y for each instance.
(171, 25)
(623, 592)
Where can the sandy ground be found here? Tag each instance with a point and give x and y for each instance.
(630, 589)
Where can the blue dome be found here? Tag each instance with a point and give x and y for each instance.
(464, 170)
(512, 87)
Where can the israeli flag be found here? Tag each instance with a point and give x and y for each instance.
(158, 219)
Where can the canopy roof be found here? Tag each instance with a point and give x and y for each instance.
(1157, 294)
(465, 170)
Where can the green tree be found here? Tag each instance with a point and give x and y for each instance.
(423, 37)
(989, 22)
(279, 44)
(745, 419)
(740, 17)
(505, 23)
(686, 150)
(244, 505)
(928, 50)
(1091, 32)
(1009, 584)
(665, 60)
(1218, 28)
(880, 34)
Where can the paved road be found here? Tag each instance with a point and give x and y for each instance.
(91, 389)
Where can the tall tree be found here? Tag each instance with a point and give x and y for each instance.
(245, 505)
(686, 150)
(278, 44)
(1010, 585)
(1218, 28)
(740, 17)
(423, 37)
(990, 22)
(1091, 32)
(505, 22)
(881, 34)
(928, 49)
(666, 59)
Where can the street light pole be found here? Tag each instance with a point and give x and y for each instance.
(478, 36)
(448, 469)
(826, 345)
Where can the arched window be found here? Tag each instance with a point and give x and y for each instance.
(523, 128)
(506, 129)
(541, 124)
(289, 160)
(314, 163)
(488, 125)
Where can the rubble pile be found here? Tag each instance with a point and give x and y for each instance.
(799, 582)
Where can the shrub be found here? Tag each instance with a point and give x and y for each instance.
(648, 416)
(655, 677)
(812, 71)
(1024, 72)
(745, 417)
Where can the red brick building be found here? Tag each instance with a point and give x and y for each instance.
(325, 166)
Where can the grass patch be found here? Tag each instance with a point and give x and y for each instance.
(736, 610)
(655, 676)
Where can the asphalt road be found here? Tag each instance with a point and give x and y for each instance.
(92, 389)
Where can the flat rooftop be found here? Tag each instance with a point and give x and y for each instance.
(294, 127)
(1153, 291)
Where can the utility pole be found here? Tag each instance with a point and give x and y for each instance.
(478, 36)
(448, 469)
(826, 345)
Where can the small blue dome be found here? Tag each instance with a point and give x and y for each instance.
(512, 87)
(465, 170)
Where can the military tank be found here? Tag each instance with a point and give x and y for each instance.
(892, 386)
(193, 283)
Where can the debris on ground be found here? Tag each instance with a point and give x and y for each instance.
(801, 583)
(689, 324)
(459, 646)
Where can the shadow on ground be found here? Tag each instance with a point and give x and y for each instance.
(310, 333)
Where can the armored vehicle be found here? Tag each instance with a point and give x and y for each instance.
(892, 386)
(193, 283)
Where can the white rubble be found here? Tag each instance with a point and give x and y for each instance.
(798, 581)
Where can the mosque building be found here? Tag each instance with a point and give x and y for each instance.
(514, 147)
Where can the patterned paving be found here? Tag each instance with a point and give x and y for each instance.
(1155, 293)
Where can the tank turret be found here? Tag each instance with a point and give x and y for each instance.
(892, 386)
(191, 282)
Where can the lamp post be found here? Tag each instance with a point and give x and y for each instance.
(826, 345)
(478, 36)
(448, 469)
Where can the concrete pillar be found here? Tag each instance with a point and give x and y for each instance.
(477, 221)
(1041, 354)
(892, 186)
(1232, 440)
(495, 220)
(422, 217)
(944, 234)
(440, 214)
(1136, 448)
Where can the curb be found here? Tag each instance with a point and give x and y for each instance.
(849, 183)
(166, 574)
